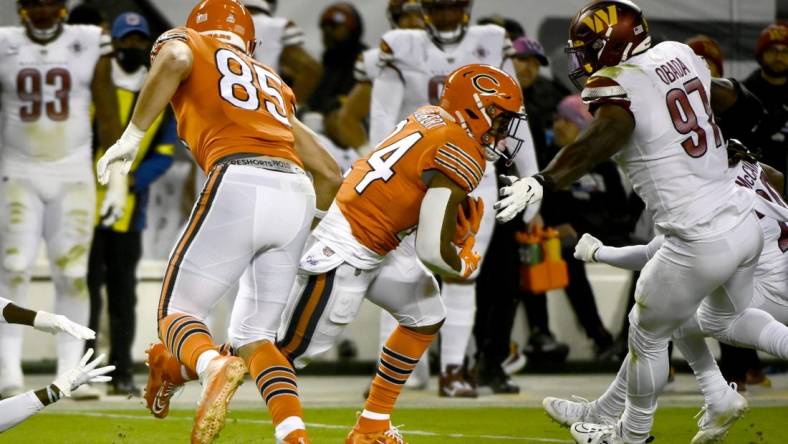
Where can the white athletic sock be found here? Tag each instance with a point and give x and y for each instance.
(708, 375)
(612, 402)
(203, 360)
(460, 301)
(74, 305)
(287, 426)
(375, 416)
(647, 374)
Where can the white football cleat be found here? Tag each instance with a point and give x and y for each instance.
(590, 433)
(715, 422)
(566, 412)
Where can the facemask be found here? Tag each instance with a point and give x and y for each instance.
(131, 59)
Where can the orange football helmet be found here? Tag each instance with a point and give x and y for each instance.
(226, 20)
(489, 105)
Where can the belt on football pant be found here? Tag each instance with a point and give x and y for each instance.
(263, 162)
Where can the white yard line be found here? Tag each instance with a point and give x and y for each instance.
(318, 426)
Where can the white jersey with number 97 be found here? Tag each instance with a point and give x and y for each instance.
(46, 97)
(676, 158)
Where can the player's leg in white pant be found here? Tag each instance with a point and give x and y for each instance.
(318, 310)
(18, 408)
(68, 229)
(399, 272)
(265, 286)
(671, 288)
(21, 227)
(460, 296)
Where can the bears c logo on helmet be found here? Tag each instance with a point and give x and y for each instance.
(479, 78)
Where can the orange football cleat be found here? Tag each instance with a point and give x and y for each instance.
(296, 437)
(164, 379)
(219, 383)
(390, 436)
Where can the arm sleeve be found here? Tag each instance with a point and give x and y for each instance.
(3, 303)
(428, 233)
(387, 93)
(18, 408)
(525, 160)
(630, 258)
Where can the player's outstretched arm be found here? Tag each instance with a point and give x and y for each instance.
(387, 94)
(105, 99)
(437, 229)
(173, 63)
(326, 175)
(42, 320)
(18, 408)
(634, 257)
(607, 133)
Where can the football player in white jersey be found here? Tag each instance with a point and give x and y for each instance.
(50, 73)
(347, 126)
(414, 66)
(654, 110)
(280, 45)
(723, 405)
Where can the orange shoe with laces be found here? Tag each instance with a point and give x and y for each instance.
(164, 379)
(219, 382)
(295, 437)
(390, 436)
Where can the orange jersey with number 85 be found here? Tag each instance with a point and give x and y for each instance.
(381, 196)
(230, 103)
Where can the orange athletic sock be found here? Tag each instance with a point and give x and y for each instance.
(186, 338)
(276, 381)
(398, 359)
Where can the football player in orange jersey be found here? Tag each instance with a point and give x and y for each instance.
(254, 213)
(414, 180)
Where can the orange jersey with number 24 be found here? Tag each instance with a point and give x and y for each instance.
(381, 196)
(230, 103)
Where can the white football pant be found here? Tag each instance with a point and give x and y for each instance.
(63, 214)
(255, 226)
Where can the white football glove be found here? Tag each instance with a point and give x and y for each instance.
(83, 373)
(52, 323)
(518, 194)
(122, 153)
(587, 247)
(114, 204)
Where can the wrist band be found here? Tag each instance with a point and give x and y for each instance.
(320, 214)
(53, 395)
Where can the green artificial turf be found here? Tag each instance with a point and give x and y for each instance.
(330, 425)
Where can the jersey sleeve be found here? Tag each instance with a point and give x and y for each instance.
(602, 89)
(292, 36)
(463, 165)
(180, 34)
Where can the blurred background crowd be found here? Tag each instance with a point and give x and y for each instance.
(315, 47)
